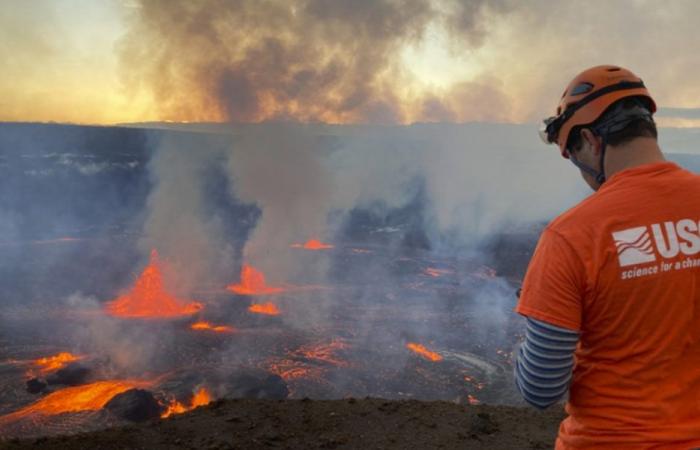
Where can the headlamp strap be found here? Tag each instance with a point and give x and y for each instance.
(554, 126)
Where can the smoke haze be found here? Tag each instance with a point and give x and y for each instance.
(307, 60)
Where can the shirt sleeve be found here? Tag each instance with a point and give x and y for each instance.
(554, 284)
(544, 362)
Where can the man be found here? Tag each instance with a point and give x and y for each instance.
(614, 283)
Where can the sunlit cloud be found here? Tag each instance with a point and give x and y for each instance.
(379, 61)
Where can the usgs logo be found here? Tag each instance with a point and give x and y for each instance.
(642, 244)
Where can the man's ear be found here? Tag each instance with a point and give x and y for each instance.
(593, 141)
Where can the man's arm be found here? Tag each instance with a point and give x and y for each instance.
(544, 363)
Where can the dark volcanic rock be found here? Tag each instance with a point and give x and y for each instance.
(136, 405)
(258, 385)
(35, 386)
(73, 374)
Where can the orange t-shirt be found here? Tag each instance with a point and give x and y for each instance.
(623, 269)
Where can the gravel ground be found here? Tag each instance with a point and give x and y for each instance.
(317, 424)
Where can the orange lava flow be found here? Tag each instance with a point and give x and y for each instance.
(55, 362)
(148, 298)
(436, 272)
(424, 352)
(200, 398)
(310, 361)
(204, 325)
(313, 244)
(253, 283)
(88, 397)
(325, 352)
(269, 309)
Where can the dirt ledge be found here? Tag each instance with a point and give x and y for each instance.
(325, 424)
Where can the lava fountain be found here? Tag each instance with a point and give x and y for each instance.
(253, 283)
(148, 298)
(424, 352)
(200, 398)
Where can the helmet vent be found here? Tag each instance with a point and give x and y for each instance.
(582, 89)
(613, 69)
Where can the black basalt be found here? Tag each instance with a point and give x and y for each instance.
(135, 405)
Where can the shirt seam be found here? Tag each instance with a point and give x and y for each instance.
(555, 320)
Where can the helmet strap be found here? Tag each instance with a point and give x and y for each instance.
(598, 176)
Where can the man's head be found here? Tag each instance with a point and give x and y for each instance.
(602, 106)
(622, 123)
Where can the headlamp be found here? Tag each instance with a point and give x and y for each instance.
(548, 133)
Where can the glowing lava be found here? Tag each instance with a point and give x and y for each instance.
(148, 298)
(424, 352)
(88, 397)
(269, 309)
(313, 244)
(253, 283)
(200, 398)
(55, 362)
(437, 272)
(310, 361)
(203, 325)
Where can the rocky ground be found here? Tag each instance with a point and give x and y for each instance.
(314, 424)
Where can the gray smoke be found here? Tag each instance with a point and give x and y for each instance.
(308, 60)
(180, 224)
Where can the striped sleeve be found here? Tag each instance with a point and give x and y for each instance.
(544, 363)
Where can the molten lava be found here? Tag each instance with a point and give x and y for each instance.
(203, 325)
(88, 397)
(253, 283)
(437, 272)
(310, 361)
(55, 362)
(200, 398)
(477, 384)
(424, 352)
(269, 309)
(313, 244)
(148, 298)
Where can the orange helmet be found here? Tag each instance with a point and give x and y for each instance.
(587, 97)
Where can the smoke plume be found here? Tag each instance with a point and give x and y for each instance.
(307, 60)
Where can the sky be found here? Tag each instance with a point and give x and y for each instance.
(334, 61)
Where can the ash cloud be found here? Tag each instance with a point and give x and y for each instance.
(304, 60)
